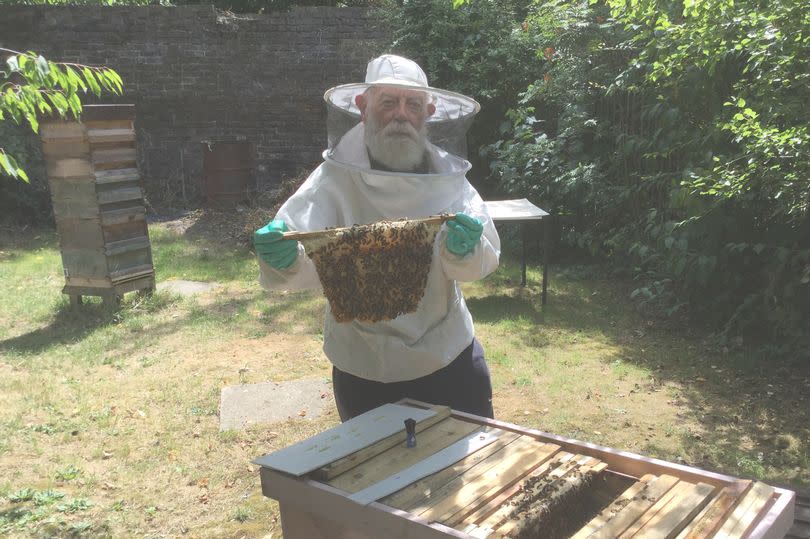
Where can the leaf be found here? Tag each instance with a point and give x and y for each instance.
(90, 78)
(10, 167)
(111, 80)
(75, 105)
(32, 119)
(42, 67)
(59, 102)
(62, 80)
(44, 107)
(75, 79)
(13, 63)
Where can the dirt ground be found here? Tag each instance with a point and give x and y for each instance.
(232, 226)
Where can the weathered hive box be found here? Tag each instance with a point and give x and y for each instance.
(98, 202)
(471, 477)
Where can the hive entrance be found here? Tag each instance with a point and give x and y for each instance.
(374, 272)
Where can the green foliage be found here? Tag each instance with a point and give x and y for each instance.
(25, 514)
(550, 137)
(32, 86)
(22, 495)
(738, 72)
(68, 473)
(672, 134)
(86, 2)
(480, 50)
(21, 202)
(74, 506)
(268, 6)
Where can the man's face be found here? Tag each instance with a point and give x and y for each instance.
(395, 131)
(390, 103)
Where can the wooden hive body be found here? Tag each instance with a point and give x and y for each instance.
(524, 484)
(98, 203)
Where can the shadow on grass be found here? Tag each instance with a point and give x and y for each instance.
(495, 308)
(283, 313)
(753, 409)
(69, 325)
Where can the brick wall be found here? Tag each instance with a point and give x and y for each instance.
(197, 75)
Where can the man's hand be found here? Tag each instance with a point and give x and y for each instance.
(277, 252)
(463, 234)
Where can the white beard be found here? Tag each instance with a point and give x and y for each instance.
(398, 145)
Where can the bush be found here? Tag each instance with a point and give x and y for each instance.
(20, 202)
(673, 134)
(480, 50)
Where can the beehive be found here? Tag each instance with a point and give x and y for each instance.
(98, 203)
(525, 484)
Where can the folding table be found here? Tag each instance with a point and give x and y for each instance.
(523, 211)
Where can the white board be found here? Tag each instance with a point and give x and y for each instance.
(514, 210)
(343, 440)
(430, 465)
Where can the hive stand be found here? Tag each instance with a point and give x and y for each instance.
(98, 203)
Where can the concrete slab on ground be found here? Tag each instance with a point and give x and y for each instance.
(271, 402)
(185, 288)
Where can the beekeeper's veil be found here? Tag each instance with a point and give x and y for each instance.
(446, 127)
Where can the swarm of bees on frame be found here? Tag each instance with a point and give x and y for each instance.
(374, 272)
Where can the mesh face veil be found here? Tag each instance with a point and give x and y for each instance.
(396, 119)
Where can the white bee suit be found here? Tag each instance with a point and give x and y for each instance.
(344, 191)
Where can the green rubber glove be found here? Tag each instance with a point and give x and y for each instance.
(463, 234)
(276, 252)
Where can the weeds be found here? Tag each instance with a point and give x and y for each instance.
(68, 473)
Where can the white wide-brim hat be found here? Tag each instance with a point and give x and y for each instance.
(392, 70)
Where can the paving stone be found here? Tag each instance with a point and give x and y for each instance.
(185, 288)
(271, 402)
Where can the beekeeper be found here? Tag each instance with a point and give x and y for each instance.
(392, 151)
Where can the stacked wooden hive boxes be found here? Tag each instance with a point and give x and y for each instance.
(98, 203)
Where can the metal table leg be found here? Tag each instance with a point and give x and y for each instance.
(546, 248)
(525, 238)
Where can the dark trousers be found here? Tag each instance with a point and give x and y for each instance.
(463, 385)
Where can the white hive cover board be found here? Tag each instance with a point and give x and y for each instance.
(343, 440)
(514, 210)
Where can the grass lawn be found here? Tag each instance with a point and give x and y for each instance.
(109, 420)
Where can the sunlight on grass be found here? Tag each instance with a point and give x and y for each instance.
(33, 279)
(109, 407)
(178, 258)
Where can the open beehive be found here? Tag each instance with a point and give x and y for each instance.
(517, 483)
(373, 272)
